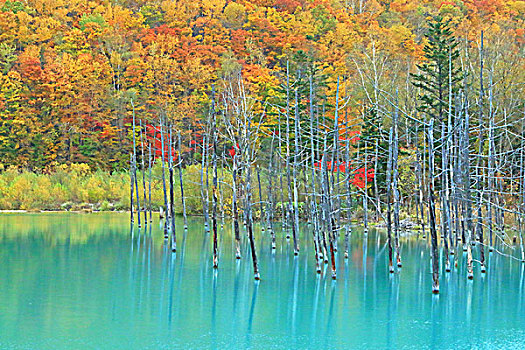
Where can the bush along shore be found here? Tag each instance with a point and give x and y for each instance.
(77, 188)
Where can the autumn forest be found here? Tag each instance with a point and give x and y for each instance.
(262, 174)
(69, 69)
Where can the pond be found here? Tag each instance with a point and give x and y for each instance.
(87, 281)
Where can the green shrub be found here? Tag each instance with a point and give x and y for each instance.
(77, 187)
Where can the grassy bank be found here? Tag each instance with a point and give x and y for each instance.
(77, 187)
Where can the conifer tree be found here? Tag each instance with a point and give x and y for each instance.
(441, 53)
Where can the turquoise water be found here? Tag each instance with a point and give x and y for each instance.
(84, 281)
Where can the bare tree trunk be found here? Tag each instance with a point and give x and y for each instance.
(348, 230)
(260, 198)
(149, 175)
(135, 166)
(172, 201)
(203, 193)
(143, 174)
(182, 185)
(250, 226)
(389, 186)
(444, 197)
(432, 212)
(313, 196)
(328, 225)
(249, 223)
(131, 185)
(164, 181)
(490, 170)
(269, 207)
(395, 170)
(214, 189)
(235, 208)
(290, 215)
(467, 200)
(283, 216)
(522, 173)
(295, 166)
(365, 192)
(376, 189)
(419, 176)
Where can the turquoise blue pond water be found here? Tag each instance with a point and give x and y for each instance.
(84, 281)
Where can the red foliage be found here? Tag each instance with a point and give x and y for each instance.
(154, 136)
(359, 174)
(359, 178)
(233, 151)
(287, 5)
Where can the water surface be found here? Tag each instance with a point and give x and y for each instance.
(71, 281)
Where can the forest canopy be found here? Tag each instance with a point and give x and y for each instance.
(69, 69)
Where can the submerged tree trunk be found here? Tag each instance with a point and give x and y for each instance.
(365, 192)
(261, 209)
(250, 224)
(432, 212)
(389, 201)
(149, 189)
(143, 174)
(172, 201)
(214, 188)
(290, 211)
(203, 193)
(395, 185)
(131, 185)
(135, 166)
(419, 176)
(313, 200)
(235, 209)
(269, 206)
(164, 180)
(295, 166)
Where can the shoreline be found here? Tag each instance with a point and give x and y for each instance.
(36, 211)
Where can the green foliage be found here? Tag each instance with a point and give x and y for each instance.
(152, 15)
(77, 187)
(13, 6)
(439, 74)
(65, 188)
(324, 21)
(373, 131)
(7, 57)
(93, 18)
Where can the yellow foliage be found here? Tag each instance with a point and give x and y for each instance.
(234, 15)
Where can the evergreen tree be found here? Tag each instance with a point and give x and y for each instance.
(373, 130)
(441, 53)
